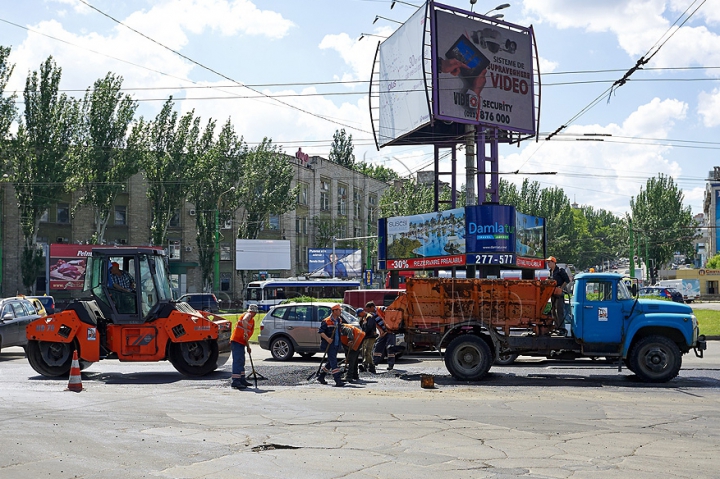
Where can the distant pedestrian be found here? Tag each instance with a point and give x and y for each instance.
(330, 335)
(558, 298)
(238, 342)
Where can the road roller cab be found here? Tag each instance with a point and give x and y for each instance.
(131, 317)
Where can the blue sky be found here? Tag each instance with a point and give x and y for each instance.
(304, 48)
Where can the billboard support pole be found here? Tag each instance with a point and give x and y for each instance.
(482, 162)
(333, 259)
(470, 167)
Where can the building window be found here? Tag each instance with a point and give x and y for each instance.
(372, 209)
(121, 215)
(224, 282)
(301, 226)
(324, 195)
(175, 219)
(63, 213)
(174, 247)
(305, 255)
(298, 259)
(357, 203)
(225, 252)
(302, 198)
(44, 217)
(342, 200)
(274, 222)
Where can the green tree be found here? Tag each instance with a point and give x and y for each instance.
(341, 150)
(37, 163)
(108, 157)
(326, 229)
(713, 262)
(218, 168)
(7, 103)
(410, 198)
(659, 216)
(377, 172)
(265, 188)
(172, 151)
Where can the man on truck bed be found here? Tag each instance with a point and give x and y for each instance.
(558, 300)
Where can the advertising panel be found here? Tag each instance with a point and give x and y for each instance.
(490, 229)
(68, 263)
(529, 236)
(484, 72)
(348, 263)
(404, 103)
(427, 235)
(262, 254)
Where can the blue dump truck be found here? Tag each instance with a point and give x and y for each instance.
(474, 320)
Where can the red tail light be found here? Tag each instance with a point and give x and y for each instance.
(262, 327)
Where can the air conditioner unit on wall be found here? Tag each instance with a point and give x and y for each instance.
(191, 212)
(188, 249)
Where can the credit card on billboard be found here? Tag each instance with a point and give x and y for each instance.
(464, 51)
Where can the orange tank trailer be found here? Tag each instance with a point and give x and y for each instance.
(434, 304)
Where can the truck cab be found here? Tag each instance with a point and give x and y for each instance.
(649, 335)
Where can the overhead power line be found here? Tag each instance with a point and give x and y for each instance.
(205, 67)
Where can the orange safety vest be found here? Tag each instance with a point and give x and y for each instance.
(352, 333)
(243, 329)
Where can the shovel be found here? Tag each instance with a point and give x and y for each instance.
(255, 375)
(319, 367)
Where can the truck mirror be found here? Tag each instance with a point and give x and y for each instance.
(634, 289)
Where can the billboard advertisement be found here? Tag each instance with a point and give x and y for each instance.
(490, 229)
(68, 263)
(484, 72)
(416, 238)
(717, 222)
(403, 98)
(478, 235)
(262, 254)
(348, 263)
(529, 236)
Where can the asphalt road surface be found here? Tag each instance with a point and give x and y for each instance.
(537, 418)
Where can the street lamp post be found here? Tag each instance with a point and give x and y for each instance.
(216, 279)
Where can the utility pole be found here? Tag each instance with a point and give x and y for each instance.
(632, 250)
(470, 173)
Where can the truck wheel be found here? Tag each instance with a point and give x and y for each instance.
(282, 348)
(655, 359)
(468, 358)
(50, 359)
(505, 359)
(197, 358)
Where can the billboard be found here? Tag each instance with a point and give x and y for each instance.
(403, 95)
(429, 235)
(68, 263)
(262, 254)
(348, 263)
(484, 72)
(478, 235)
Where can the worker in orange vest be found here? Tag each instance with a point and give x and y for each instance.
(330, 334)
(352, 337)
(238, 342)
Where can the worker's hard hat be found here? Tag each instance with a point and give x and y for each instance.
(551, 258)
(336, 307)
(253, 308)
(592, 270)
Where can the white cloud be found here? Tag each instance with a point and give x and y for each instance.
(547, 66)
(358, 55)
(605, 174)
(709, 107)
(638, 25)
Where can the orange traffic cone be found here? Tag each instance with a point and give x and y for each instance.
(75, 382)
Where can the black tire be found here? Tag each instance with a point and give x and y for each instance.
(50, 359)
(307, 355)
(505, 359)
(655, 359)
(468, 358)
(282, 348)
(196, 358)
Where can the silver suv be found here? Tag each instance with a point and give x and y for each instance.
(293, 328)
